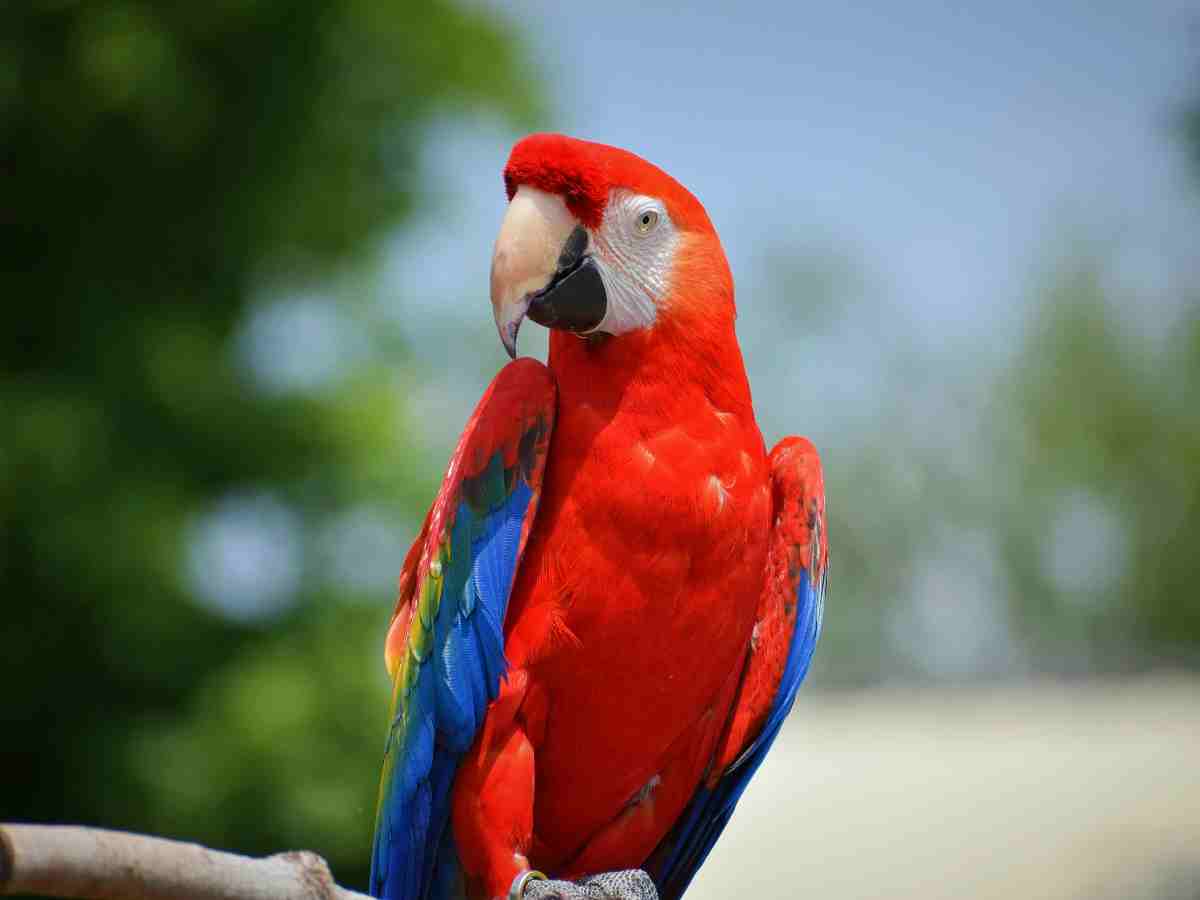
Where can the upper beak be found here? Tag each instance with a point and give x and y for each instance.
(540, 268)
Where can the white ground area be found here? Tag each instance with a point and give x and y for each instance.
(1039, 791)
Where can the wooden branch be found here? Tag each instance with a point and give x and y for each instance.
(91, 863)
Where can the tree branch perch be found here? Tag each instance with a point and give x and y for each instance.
(95, 864)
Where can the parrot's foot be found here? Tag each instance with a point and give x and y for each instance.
(628, 884)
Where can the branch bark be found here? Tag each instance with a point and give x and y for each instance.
(94, 864)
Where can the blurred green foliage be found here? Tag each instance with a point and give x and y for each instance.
(1103, 428)
(1039, 518)
(167, 170)
(1030, 508)
(1190, 128)
(1096, 426)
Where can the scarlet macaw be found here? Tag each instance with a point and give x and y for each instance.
(615, 595)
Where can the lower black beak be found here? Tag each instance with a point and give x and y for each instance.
(574, 300)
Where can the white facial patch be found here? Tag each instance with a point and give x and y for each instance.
(634, 249)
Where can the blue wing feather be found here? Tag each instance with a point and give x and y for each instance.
(454, 655)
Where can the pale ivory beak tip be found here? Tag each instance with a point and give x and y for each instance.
(508, 337)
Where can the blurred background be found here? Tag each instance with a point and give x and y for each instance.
(245, 250)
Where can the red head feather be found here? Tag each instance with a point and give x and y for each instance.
(583, 173)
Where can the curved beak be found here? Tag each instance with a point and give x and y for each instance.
(540, 268)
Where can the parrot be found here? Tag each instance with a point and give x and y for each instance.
(613, 599)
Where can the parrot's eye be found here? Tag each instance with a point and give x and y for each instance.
(647, 219)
